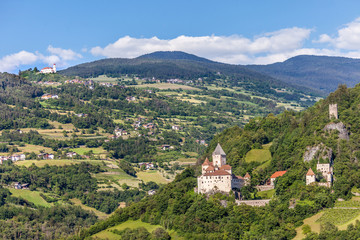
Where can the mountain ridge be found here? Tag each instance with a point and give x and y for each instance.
(322, 73)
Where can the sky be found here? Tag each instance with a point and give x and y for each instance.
(40, 33)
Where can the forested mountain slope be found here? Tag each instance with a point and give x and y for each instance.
(167, 65)
(196, 217)
(320, 73)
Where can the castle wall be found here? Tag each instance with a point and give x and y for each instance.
(214, 183)
(254, 203)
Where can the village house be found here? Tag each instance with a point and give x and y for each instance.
(49, 96)
(176, 127)
(71, 154)
(13, 158)
(46, 156)
(217, 176)
(149, 126)
(119, 132)
(166, 147)
(46, 70)
(276, 175)
(130, 98)
(147, 165)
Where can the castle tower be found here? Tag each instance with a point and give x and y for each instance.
(310, 177)
(219, 156)
(54, 68)
(333, 111)
(247, 179)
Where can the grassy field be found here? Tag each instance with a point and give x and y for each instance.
(83, 150)
(259, 155)
(266, 194)
(34, 148)
(104, 78)
(106, 234)
(152, 175)
(60, 162)
(99, 214)
(42, 163)
(167, 86)
(31, 196)
(312, 222)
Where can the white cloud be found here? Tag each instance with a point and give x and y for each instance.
(13, 61)
(64, 54)
(347, 38)
(229, 49)
(59, 56)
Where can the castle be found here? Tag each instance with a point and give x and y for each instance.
(327, 172)
(217, 175)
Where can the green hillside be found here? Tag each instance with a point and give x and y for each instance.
(177, 207)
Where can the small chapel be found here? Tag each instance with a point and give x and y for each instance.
(217, 176)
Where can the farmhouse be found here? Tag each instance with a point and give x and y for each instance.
(217, 175)
(276, 175)
(46, 70)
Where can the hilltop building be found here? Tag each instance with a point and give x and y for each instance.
(46, 70)
(333, 111)
(327, 172)
(217, 175)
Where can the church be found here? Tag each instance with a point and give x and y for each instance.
(46, 70)
(217, 175)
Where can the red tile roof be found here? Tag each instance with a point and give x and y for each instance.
(310, 173)
(247, 175)
(206, 162)
(217, 173)
(238, 177)
(278, 174)
(210, 168)
(225, 167)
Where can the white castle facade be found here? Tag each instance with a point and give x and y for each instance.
(217, 175)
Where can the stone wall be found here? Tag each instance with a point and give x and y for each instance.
(254, 203)
(264, 187)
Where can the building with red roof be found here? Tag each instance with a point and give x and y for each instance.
(276, 175)
(46, 70)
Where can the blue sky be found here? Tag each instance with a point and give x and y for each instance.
(39, 33)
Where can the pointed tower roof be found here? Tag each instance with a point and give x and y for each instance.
(218, 150)
(206, 162)
(247, 175)
(310, 173)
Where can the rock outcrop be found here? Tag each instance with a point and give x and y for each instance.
(318, 152)
(343, 132)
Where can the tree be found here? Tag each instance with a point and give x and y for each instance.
(160, 234)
